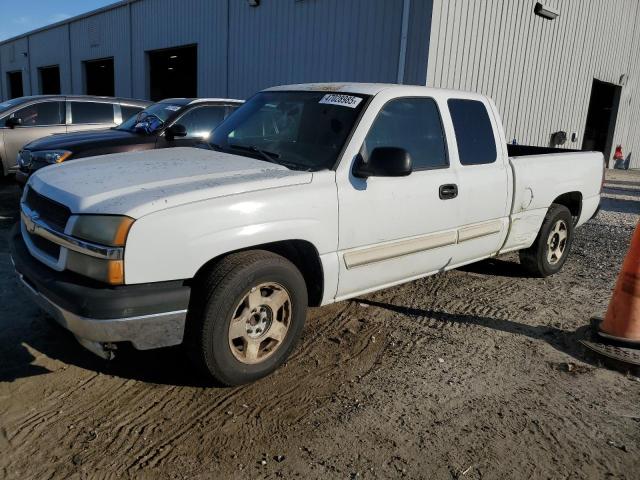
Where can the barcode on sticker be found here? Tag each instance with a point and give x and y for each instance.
(342, 100)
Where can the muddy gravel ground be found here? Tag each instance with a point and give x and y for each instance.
(475, 373)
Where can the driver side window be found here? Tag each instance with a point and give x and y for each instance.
(41, 114)
(413, 124)
(201, 121)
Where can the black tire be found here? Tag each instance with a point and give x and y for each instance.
(218, 297)
(536, 258)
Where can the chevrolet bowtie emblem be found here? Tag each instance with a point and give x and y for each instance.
(30, 223)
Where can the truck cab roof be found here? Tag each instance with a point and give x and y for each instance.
(370, 88)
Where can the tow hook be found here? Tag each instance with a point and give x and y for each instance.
(103, 350)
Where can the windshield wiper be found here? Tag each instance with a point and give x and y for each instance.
(268, 156)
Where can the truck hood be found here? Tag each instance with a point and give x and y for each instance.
(139, 183)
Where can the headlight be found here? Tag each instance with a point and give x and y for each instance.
(50, 156)
(110, 230)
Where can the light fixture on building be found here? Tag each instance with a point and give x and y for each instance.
(254, 3)
(545, 11)
(623, 79)
(173, 56)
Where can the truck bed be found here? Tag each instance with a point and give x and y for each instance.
(526, 150)
(540, 176)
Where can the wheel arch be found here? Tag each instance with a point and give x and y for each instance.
(302, 253)
(573, 201)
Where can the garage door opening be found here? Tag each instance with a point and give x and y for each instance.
(50, 80)
(173, 73)
(601, 118)
(99, 77)
(14, 80)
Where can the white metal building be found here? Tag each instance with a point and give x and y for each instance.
(577, 74)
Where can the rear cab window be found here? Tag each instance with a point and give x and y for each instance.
(474, 132)
(91, 112)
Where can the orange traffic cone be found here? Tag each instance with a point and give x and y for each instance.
(622, 322)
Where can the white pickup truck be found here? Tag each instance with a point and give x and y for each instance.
(308, 195)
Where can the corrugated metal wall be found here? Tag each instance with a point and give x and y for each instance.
(106, 35)
(47, 48)
(159, 24)
(241, 49)
(13, 59)
(313, 41)
(538, 71)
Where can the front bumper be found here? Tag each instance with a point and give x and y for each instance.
(148, 315)
(22, 178)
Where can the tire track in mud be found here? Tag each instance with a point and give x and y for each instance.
(293, 392)
(282, 405)
(108, 403)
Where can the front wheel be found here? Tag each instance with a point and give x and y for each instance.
(246, 315)
(551, 248)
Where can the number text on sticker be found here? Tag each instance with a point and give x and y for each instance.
(342, 100)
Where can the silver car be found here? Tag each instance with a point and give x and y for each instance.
(25, 119)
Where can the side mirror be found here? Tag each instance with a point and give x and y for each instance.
(175, 131)
(384, 162)
(13, 122)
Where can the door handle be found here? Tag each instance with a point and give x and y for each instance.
(448, 191)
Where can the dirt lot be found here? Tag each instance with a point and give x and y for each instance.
(469, 374)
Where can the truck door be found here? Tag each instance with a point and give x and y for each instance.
(395, 228)
(484, 183)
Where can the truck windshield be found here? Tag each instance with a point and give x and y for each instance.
(300, 130)
(151, 118)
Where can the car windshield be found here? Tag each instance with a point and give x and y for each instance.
(151, 118)
(300, 130)
(4, 106)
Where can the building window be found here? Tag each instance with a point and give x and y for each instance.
(99, 77)
(50, 80)
(14, 81)
(173, 73)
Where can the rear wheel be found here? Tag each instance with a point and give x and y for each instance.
(246, 316)
(551, 248)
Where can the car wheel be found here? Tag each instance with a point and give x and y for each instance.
(551, 248)
(246, 316)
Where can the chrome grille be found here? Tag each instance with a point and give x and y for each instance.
(44, 245)
(53, 213)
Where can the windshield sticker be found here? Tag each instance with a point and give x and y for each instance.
(342, 100)
(173, 108)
